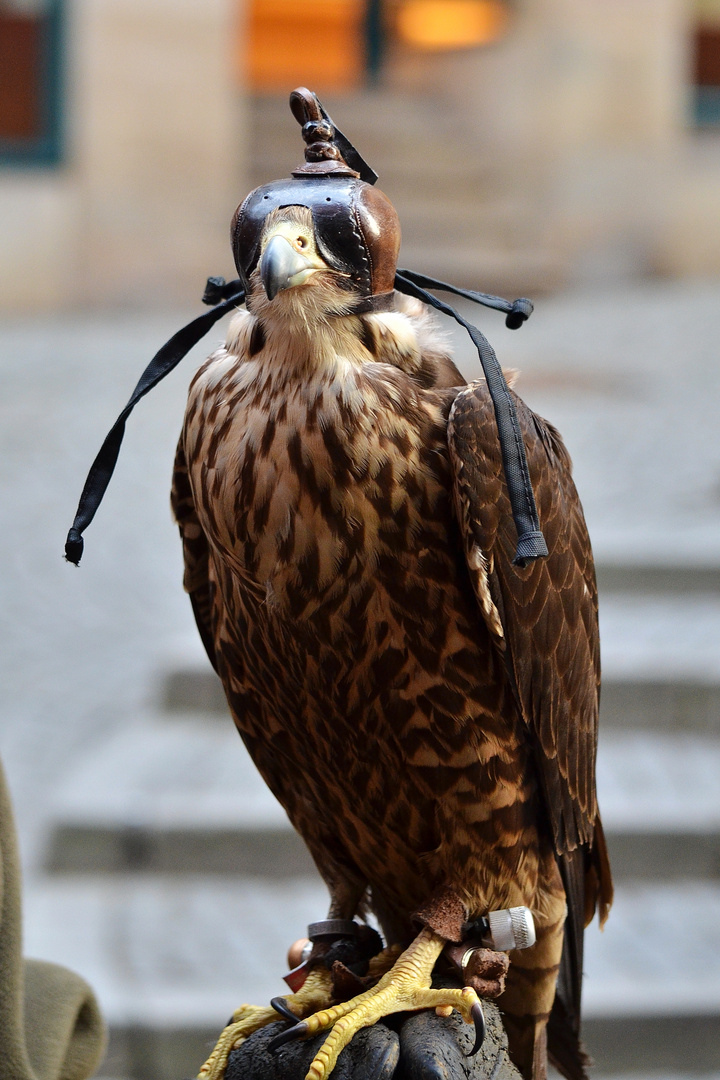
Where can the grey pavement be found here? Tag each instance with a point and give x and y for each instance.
(82, 649)
(630, 377)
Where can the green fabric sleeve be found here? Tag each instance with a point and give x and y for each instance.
(64, 1031)
(50, 1026)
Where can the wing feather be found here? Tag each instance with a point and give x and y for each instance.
(549, 616)
(549, 608)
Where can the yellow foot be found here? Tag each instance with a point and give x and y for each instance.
(314, 994)
(406, 987)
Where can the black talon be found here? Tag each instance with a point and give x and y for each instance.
(289, 1035)
(480, 1028)
(281, 1006)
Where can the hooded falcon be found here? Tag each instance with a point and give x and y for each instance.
(423, 706)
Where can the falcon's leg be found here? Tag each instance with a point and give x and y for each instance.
(531, 981)
(405, 987)
(314, 994)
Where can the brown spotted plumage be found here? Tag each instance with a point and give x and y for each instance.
(425, 711)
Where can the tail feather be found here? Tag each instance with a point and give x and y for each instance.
(588, 888)
(565, 1049)
(598, 879)
(527, 1045)
(569, 985)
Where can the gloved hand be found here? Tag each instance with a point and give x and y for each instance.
(418, 1046)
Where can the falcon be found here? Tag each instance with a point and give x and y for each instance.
(423, 704)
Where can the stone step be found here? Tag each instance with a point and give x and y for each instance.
(170, 959)
(402, 145)
(672, 1047)
(174, 849)
(664, 855)
(675, 1047)
(494, 267)
(182, 796)
(667, 640)
(404, 175)
(650, 997)
(660, 706)
(653, 579)
(660, 802)
(419, 150)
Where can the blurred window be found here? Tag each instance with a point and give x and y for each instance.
(30, 81)
(707, 62)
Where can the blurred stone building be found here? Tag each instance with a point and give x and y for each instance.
(527, 144)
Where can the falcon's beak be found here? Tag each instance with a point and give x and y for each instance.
(283, 267)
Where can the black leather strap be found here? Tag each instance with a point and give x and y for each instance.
(517, 311)
(379, 302)
(167, 358)
(531, 542)
(330, 929)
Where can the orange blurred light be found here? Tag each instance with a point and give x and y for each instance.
(451, 24)
(318, 43)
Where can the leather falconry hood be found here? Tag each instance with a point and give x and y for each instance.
(357, 229)
(358, 233)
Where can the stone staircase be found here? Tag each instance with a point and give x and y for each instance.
(175, 884)
(464, 219)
